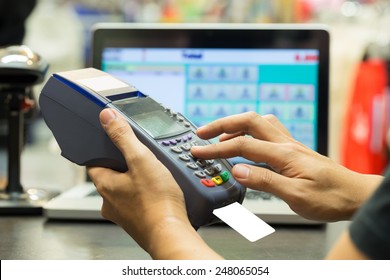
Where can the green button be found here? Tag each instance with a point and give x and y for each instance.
(225, 176)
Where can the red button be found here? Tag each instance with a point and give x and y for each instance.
(208, 183)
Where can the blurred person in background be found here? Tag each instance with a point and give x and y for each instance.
(13, 15)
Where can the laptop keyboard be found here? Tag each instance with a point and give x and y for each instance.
(259, 195)
(93, 193)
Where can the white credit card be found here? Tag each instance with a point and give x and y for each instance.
(243, 221)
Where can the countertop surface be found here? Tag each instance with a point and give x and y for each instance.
(35, 237)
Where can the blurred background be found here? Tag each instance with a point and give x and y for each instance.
(59, 30)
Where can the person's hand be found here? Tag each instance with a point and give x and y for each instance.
(146, 200)
(313, 185)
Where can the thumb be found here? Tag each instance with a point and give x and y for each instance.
(261, 179)
(121, 134)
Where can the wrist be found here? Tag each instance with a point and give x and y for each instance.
(175, 238)
(361, 187)
(367, 184)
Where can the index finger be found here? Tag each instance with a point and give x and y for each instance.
(270, 118)
(249, 123)
(249, 148)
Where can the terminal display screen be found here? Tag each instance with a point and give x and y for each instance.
(158, 124)
(151, 117)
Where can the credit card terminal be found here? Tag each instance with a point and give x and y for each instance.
(71, 102)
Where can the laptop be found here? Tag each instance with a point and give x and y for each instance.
(211, 71)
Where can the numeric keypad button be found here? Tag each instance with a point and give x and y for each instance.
(210, 171)
(186, 147)
(200, 174)
(176, 150)
(201, 163)
(192, 165)
(184, 157)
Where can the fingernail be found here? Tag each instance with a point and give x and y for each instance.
(194, 148)
(241, 171)
(107, 116)
(199, 129)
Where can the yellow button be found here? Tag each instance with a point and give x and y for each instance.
(217, 180)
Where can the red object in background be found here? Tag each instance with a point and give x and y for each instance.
(303, 11)
(27, 104)
(364, 141)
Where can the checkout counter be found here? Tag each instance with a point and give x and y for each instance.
(32, 237)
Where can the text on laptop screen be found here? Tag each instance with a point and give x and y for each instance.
(206, 84)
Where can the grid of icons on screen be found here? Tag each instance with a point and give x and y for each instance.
(216, 91)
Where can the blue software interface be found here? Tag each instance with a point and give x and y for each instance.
(206, 84)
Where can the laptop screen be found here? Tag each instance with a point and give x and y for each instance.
(213, 79)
